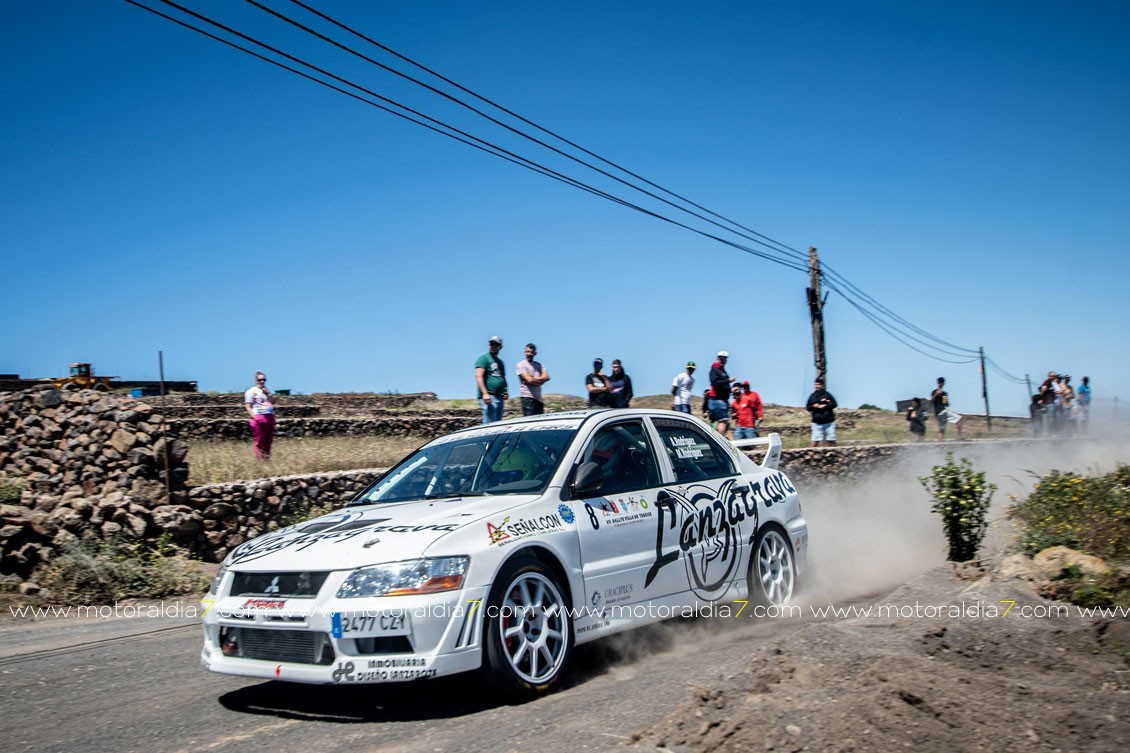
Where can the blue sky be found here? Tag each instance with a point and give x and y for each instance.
(965, 164)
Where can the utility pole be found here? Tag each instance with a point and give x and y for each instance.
(816, 311)
(1028, 382)
(985, 390)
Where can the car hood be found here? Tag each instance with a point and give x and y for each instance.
(366, 534)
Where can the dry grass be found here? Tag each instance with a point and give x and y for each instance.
(230, 460)
(212, 462)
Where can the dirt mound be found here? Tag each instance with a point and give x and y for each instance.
(944, 668)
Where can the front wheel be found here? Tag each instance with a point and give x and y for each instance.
(772, 568)
(529, 634)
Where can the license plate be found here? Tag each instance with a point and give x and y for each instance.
(367, 625)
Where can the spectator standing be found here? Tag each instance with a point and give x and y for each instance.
(706, 405)
(490, 379)
(531, 376)
(1036, 414)
(620, 386)
(822, 406)
(598, 386)
(1068, 406)
(748, 411)
(719, 402)
(1084, 398)
(260, 405)
(944, 413)
(914, 416)
(682, 388)
(1047, 394)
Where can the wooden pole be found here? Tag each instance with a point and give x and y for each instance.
(985, 391)
(164, 435)
(816, 311)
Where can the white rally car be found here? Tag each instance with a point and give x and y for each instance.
(503, 546)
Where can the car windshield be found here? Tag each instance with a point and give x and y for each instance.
(513, 462)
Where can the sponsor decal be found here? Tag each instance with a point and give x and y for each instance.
(703, 527)
(263, 604)
(343, 671)
(596, 600)
(509, 531)
(618, 594)
(336, 528)
(381, 670)
(497, 533)
(566, 513)
(617, 512)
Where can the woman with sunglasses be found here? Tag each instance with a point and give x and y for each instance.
(260, 407)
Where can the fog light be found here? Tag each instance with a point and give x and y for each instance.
(229, 641)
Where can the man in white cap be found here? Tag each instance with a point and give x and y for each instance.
(718, 403)
(490, 379)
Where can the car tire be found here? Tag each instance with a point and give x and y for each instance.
(529, 631)
(772, 568)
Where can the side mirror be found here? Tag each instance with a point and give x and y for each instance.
(589, 478)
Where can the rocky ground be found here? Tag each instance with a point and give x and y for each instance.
(1027, 680)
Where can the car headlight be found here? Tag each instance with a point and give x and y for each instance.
(215, 587)
(405, 578)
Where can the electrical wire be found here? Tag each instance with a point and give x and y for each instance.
(492, 119)
(891, 323)
(781, 246)
(487, 146)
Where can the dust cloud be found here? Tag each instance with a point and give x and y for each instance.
(868, 536)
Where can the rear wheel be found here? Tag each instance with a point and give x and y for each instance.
(529, 634)
(772, 568)
(101, 387)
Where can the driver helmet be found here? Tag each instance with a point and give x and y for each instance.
(519, 463)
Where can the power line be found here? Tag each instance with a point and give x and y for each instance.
(486, 146)
(895, 325)
(492, 119)
(780, 246)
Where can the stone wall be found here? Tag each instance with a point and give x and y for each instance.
(88, 461)
(94, 463)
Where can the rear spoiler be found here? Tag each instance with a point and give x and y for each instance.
(772, 454)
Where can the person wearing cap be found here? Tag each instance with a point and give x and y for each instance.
(532, 375)
(682, 388)
(598, 386)
(719, 400)
(620, 385)
(748, 410)
(943, 412)
(490, 379)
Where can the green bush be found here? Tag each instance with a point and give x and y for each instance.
(101, 571)
(10, 489)
(962, 498)
(1089, 514)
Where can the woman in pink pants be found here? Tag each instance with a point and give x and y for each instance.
(261, 409)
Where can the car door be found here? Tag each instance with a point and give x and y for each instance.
(705, 515)
(615, 523)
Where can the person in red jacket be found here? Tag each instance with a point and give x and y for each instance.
(747, 410)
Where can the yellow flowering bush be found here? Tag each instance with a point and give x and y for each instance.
(1090, 514)
(961, 496)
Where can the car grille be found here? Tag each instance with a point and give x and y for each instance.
(296, 646)
(279, 585)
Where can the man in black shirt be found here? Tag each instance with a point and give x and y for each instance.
(598, 386)
(822, 406)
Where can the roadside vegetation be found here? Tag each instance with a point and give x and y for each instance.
(93, 571)
(1089, 514)
(232, 460)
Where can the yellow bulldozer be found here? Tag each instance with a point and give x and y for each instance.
(82, 378)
